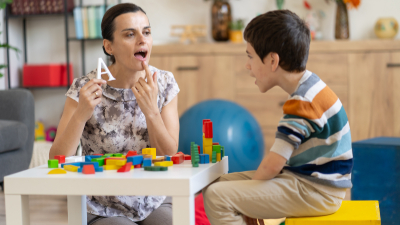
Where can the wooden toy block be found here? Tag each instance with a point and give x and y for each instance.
(188, 157)
(167, 158)
(116, 162)
(88, 158)
(165, 163)
(138, 166)
(99, 160)
(147, 156)
(215, 143)
(149, 151)
(205, 120)
(207, 142)
(57, 171)
(199, 149)
(71, 168)
(214, 157)
(146, 162)
(112, 158)
(60, 158)
(135, 160)
(222, 152)
(97, 169)
(201, 159)
(349, 213)
(118, 154)
(216, 148)
(52, 163)
(156, 168)
(95, 164)
(125, 168)
(111, 167)
(77, 164)
(208, 129)
(206, 159)
(131, 153)
(177, 158)
(108, 154)
(180, 153)
(208, 151)
(88, 169)
(218, 157)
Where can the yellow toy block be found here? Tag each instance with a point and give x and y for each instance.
(208, 150)
(111, 167)
(71, 168)
(149, 151)
(116, 162)
(207, 141)
(350, 213)
(218, 157)
(57, 171)
(165, 163)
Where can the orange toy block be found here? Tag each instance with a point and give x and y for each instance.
(57, 171)
(125, 168)
(88, 169)
(61, 158)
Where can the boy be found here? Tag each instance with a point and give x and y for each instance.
(313, 137)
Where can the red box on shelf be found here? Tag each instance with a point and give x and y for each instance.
(50, 75)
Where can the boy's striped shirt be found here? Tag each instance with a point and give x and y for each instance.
(314, 135)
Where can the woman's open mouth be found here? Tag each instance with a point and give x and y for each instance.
(141, 55)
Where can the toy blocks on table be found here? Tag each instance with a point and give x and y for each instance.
(57, 171)
(135, 160)
(149, 151)
(146, 162)
(155, 168)
(165, 163)
(349, 213)
(52, 163)
(125, 168)
(88, 169)
(188, 157)
(60, 158)
(131, 153)
(71, 168)
(177, 158)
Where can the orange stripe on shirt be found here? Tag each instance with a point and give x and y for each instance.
(311, 110)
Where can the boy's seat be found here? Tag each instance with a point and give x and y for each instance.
(350, 213)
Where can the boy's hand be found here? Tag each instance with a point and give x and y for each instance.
(146, 92)
(252, 221)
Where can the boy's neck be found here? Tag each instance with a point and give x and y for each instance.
(289, 81)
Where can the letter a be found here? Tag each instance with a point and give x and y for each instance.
(99, 65)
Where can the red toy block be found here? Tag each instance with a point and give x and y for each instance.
(138, 166)
(177, 158)
(215, 143)
(188, 157)
(208, 129)
(198, 148)
(205, 120)
(126, 168)
(131, 153)
(88, 169)
(180, 153)
(105, 160)
(61, 158)
(98, 154)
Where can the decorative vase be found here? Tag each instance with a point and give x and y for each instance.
(236, 36)
(221, 18)
(342, 21)
(386, 27)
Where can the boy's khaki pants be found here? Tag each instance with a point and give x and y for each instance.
(283, 196)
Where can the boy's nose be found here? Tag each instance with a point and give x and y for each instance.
(248, 66)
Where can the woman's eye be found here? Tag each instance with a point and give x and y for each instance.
(147, 33)
(130, 34)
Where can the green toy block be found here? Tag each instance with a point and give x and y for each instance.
(118, 155)
(52, 163)
(214, 157)
(155, 168)
(99, 160)
(222, 152)
(108, 155)
(217, 148)
(195, 165)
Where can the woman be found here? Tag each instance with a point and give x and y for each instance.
(137, 110)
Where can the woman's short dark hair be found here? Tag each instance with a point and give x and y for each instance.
(281, 32)
(108, 25)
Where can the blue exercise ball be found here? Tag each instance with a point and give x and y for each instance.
(233, 127)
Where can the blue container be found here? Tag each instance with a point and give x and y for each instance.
(376, 175)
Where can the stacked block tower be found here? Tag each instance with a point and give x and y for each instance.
(214, 151)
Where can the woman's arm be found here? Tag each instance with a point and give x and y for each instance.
(164, 129)
(74, 117)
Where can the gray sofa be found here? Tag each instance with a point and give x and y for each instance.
(17, 131)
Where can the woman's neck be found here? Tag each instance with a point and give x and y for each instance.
(124, 78)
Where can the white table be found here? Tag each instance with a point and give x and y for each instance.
(181, 182)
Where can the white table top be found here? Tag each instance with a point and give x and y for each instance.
(179, 180)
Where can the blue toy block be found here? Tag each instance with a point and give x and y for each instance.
(206, 159)
(147, 162)
(135, 160)
(74, 164)
(97, 169)
(88, 158)
(167, 158)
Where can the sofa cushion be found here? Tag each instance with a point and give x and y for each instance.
(13, 135)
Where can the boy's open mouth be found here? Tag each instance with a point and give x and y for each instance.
(141, 55)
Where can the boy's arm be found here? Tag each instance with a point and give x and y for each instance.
(270, 166)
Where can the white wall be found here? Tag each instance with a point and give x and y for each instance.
(46, 35)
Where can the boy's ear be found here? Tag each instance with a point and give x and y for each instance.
(274, 60)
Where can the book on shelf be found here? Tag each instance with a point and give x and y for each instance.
(88, 21)
(35, 7)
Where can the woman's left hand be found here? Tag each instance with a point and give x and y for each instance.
(146, 93)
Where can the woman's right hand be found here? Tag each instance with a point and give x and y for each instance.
(89, 97)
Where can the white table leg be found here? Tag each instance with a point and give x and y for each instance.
(183, 210)
(17, 209)
(77, 210)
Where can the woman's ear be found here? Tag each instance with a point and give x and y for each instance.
(274, 61)
(107, 46)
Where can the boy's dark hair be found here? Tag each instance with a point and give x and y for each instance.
(281, 32)
(108, 25)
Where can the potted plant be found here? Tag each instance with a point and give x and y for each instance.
(235, 32)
